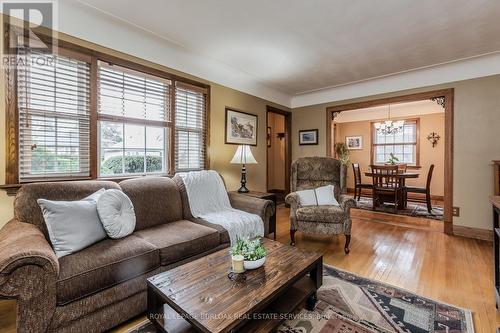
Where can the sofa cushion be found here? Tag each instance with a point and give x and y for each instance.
(103, 265)
(156, 200)
(26, 208)
(330, 214)
(180, 239)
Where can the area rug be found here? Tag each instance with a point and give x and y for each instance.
(413, 209)
(348, 303)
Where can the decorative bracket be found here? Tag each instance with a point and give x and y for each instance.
(439, 100)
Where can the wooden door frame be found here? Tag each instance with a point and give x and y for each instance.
(288, 144)
(448, 94)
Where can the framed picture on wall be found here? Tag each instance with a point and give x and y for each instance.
(354, 142)
(308, 137)
(241, 128)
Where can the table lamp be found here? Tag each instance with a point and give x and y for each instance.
(243, 155)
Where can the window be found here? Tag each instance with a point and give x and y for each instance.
(54, 117)
(189, 128)
(134, 122)
(403, 145)
(82, 114)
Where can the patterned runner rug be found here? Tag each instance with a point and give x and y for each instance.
(348, 303)
(413, 209)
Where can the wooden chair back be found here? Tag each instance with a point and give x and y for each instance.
(402, 167)
(385, 177)
(357, 173)
(429, 177)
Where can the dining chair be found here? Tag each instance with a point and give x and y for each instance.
(424, 190)
(387, 186)
(358, 186)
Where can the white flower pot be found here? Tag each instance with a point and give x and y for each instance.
(254, 264)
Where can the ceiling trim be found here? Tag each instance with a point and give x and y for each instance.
(80, 20)
(471, 68)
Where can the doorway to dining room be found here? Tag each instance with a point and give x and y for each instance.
(413, 136)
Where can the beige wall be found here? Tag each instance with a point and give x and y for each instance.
(276, 153)
(220, 153)
(428, 155)
(476, 143)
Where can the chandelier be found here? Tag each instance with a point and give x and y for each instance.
(390, 127)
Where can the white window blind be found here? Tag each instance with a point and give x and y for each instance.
(403, 145)
(54, 117)
(190, 127)
(134, 121)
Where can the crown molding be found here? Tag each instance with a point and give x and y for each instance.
(465, 69)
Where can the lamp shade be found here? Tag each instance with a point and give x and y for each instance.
(243, 155)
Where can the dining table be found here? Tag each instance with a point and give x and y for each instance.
(403, 176)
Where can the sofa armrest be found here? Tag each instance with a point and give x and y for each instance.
(264, 208)
(347, 202)
(28, 272)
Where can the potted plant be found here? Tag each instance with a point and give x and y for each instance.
(253, 252)
(393, 160)
(342, 153)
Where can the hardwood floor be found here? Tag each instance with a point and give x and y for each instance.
(415, 255)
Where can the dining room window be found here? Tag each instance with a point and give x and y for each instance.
(403, 144)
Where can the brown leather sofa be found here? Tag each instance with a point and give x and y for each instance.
(103, 285)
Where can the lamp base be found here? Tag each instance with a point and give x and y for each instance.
(243, 189)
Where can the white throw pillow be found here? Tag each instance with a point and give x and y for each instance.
(320, 196)
(72, 225)
(326, 196)
(307, 198)
(116, 212)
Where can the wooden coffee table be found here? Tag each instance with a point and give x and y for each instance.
(199, 296)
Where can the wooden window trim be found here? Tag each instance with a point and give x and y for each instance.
(92, 56)
(417, 143)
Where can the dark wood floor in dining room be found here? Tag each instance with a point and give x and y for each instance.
(415, 256)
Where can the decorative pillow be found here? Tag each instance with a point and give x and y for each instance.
(307, 198)
(117, 213)
(72, 225)
(320, 196)
(326, 196)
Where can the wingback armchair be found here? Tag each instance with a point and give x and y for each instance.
(313, 172)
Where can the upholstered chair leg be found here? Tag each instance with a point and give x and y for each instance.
(347, 242)
(292, 237)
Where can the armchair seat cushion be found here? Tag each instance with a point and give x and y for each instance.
(180, 239)
(325, 214)
(104, 265)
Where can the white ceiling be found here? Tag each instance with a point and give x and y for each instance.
(300, 52)
(400, 110)
(299, 46)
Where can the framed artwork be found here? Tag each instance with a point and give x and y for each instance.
(354, 142)
(241, 128)
(308, 137)
(269, 136)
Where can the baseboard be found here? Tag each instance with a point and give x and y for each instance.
(483, 234)
(368, 193)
